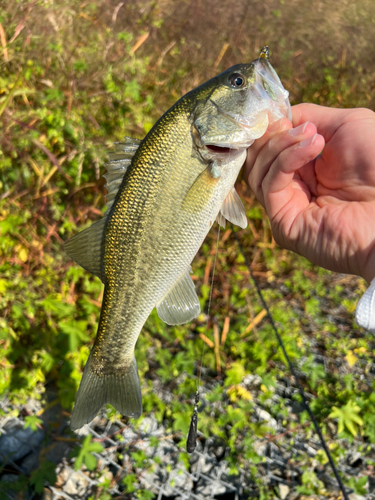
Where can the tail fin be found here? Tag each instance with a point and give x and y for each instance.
(121, 390)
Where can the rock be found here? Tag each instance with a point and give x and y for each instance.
(148, 426)
(154, 478)
(17, 442)
(179, 480)
(75, 484)
(129, 435)
(57, 451)
(354, 496)
(207, 488)
(252, 380)
(7, 491)
(261, 448)
(106, 475)
(204, 465)
(354, 459)
(47, 494)
(30, 462)
(264, 415)
(167, 451)
(283, 490)
(310, 450)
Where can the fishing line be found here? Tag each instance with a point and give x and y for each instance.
(191, 442)
(291, 367)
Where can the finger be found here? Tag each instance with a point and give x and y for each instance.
(275, 128)
(327, 120)
(270, 151)
(282, 193)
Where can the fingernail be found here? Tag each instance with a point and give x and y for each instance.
(308, 142)
(298, 130)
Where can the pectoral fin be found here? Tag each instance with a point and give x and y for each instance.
(232, 210)
(181, 303)
(200, 192)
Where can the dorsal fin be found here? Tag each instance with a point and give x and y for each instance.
(86, 247)
(119, 161)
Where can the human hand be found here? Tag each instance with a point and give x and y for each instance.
(322, 207)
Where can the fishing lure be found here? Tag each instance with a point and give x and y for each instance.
(191, 442)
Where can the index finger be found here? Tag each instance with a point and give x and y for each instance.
(327, 120)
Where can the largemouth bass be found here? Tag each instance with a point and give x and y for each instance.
(164, 194)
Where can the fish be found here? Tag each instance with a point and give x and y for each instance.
(163, 195)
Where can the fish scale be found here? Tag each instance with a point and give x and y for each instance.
(175, 184)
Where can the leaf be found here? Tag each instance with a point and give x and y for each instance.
(145, 495)
(129, 482)
(90, 461)
(182, 422)
(83, 454)
(45, 473)
(95, 447)
(33, 422)
(347, 417)
(235, 374)
(237, 392)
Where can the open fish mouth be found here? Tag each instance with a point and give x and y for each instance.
(222, 150)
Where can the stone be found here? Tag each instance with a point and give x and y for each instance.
(283, 490)
(265, 416)
(6, 489)
(148, 426)
(204, 464)
(57, 451)
(154, 478)
(17, 442)
(208, 489)
(73, 483)
(129, 435)
(252, 380)
(177, 480)
(30, 462)
(355, 496)
(355, 460)
(47, 494)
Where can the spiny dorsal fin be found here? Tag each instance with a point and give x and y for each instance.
(181, 303)
(119, 161)
(232, 210)
(85, 248)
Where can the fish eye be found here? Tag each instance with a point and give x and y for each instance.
(237, 80)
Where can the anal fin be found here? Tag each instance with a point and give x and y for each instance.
(181, 303)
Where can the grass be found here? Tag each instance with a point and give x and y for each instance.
(75, 77)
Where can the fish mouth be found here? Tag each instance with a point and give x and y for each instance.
(222, 150)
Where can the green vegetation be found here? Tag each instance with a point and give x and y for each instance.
(76, 76)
